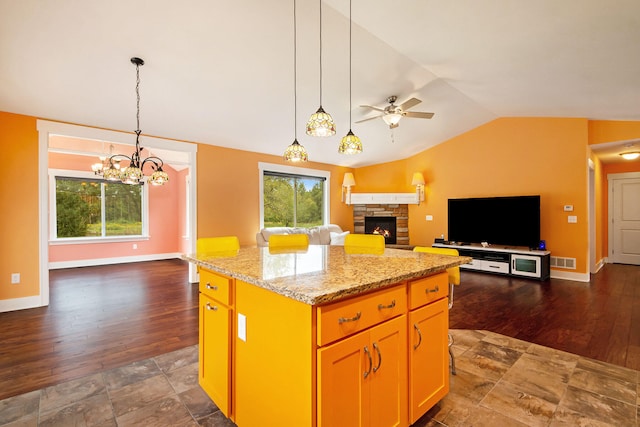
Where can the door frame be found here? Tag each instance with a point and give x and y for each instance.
(47, 128)
(610, 178)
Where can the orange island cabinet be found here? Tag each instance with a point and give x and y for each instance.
(323, 336)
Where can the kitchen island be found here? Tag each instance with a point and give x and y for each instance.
(323, 337)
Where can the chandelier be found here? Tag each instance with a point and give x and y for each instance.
(133, 174)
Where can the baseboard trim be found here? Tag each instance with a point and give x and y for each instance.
(107, 261)
(567, 275)
(20, 303)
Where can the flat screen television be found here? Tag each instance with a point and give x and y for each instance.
(508, 221)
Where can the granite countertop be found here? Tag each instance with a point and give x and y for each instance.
(323, 273)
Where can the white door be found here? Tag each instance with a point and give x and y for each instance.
(625, 218)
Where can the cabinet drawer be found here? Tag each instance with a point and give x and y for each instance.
(496, 266)
(343, 318)
(215, 286)
(428, 289)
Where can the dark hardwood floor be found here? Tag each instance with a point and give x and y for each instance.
(98, 318)
(599, 319)
(109, 316)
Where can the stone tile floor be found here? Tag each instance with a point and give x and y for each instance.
(501, 381)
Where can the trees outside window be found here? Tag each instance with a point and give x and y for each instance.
(95, 208)
(293, 200)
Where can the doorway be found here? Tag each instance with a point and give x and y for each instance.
(47, 130)
(624, 218)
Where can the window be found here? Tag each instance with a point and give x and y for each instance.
(293, 197)
(89, 208)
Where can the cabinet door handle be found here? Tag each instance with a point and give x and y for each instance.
(350, 319)
(375, 346)
(436, 289)
(215, 288)
(415, 347)
(382, 307)
(366, 350)
(212, 307)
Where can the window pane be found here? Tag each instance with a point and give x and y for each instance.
(292, 201)
(77, 208)
(309, 202)
(123, 209)
(278, 201)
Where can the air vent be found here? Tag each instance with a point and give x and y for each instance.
(562, 262)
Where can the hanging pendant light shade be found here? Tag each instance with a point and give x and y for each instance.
(321, 123)
(350, 144)
(295, 152)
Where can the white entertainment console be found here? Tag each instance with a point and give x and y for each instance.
(512, 261)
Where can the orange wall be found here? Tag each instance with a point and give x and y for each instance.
(228, 192)
(19, 206)
(164, 206)
(601, 131)
(508, 156)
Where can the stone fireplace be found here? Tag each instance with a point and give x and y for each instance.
(386, 213)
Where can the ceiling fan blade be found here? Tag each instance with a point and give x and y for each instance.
(412, 102)
(373, 108)
(367, 119)
(418, 115)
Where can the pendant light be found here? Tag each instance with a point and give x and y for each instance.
(350, 144)
(321, 123)
(295, 152)
(133, 174)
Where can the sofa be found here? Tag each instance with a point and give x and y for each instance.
(330, 234)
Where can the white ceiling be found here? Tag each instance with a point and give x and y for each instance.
(221, 72)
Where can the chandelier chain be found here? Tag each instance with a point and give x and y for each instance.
(138, 131)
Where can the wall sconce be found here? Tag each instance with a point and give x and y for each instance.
(418, 181)
(347, 182)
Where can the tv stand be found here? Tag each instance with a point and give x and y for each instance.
(512, 261)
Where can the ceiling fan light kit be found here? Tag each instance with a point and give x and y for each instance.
(392, 113)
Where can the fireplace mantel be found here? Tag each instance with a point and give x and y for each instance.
(385, 198)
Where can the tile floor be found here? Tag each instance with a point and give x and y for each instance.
(501, 382)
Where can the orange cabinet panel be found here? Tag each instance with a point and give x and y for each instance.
(214, 373)
(341, 319)
(428, 357)
(362, 380)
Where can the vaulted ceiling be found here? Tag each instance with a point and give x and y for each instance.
(221, 72)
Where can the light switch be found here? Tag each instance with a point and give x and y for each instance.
(242, 327)
(572, 219)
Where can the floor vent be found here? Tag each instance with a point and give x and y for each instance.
(562, 262)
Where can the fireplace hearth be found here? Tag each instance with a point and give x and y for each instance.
(383, 225)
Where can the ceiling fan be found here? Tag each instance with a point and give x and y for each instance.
(392, 113)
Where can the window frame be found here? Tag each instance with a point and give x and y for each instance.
(302, 172)
(53, 237)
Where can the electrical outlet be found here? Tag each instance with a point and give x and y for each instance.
(135, 246)
(429, 218)
(15, 278)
